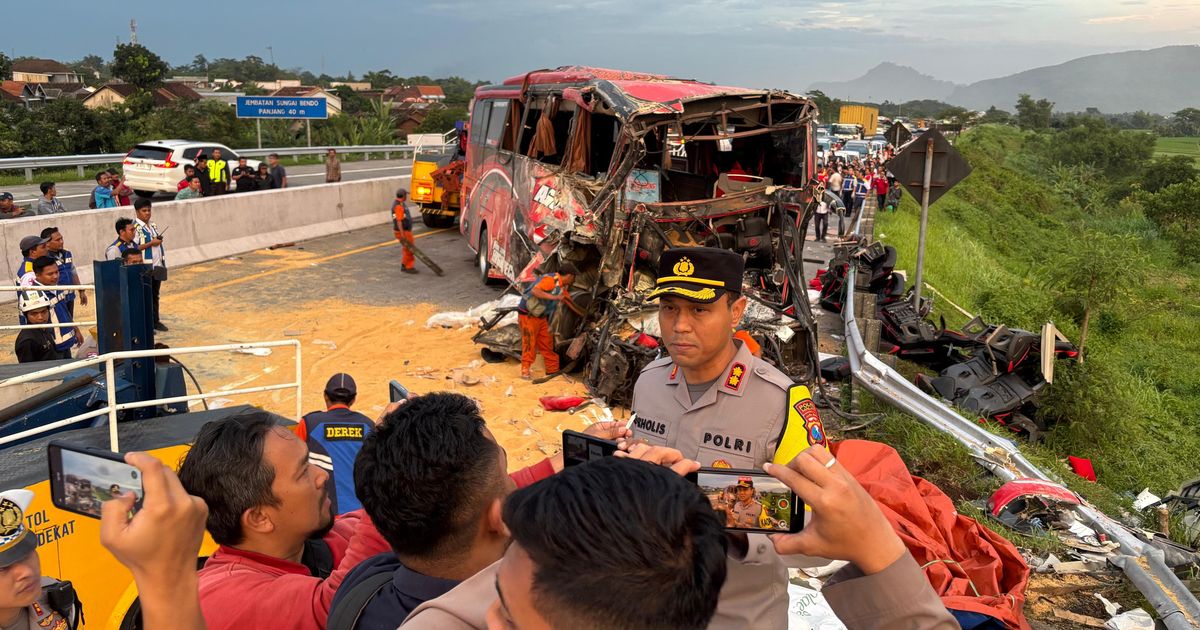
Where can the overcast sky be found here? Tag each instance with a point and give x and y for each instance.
(789, 44)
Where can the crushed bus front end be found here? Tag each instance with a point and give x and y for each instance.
(639, 164)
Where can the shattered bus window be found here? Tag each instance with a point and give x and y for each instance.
(610, 168)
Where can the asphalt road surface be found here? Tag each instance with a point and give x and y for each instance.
(74, 195)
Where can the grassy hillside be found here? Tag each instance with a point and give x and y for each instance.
(1179, 146)
(995, 240)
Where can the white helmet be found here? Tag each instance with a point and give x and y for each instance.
(33, 300)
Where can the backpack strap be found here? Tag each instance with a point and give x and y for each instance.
(347, 610)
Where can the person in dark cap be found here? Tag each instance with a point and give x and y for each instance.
(402, 226)
(32, 248)
(27, 599)
(334, 438)
(717, 403)
(7, 209)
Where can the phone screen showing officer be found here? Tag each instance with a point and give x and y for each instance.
(579, 448)
(751, 501)
(82, 478)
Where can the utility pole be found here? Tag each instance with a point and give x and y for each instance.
(133, 31)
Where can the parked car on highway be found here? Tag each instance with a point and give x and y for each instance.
(861, 147)
(157, 166)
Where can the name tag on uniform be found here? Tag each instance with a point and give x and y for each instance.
(343, 432)
(727, 443)
(650, 426)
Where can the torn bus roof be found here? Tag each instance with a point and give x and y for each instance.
(635, 93)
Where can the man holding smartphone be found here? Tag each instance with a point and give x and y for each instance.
(27, 599)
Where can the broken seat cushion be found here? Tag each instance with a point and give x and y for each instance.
(974, 570)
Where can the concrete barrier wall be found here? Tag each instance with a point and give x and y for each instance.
(215, 227)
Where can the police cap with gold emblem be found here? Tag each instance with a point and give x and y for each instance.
(16, 541)
(699, 274)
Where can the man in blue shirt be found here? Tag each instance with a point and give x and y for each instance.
(334, 437)
(102, 194)
(67, 273)
(67, 336)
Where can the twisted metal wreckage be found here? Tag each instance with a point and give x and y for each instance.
(691, 164)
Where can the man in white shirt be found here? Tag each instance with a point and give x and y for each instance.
(148, 239)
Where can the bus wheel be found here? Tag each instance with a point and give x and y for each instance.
(437, 221)
(145, 194)
(481, 259)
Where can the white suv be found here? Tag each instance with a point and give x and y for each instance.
(157, 166)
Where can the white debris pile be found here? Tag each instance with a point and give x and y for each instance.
(487, 310)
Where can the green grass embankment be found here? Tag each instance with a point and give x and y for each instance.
(1134, 406)
(1179, 146)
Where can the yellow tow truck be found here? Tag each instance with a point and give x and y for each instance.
(436, 183)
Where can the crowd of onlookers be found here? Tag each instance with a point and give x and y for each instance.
(208, 176)
(848, 185)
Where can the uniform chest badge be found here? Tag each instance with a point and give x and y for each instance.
(720, 463)
(737, 374)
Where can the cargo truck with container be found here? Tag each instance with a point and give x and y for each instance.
(862, 115)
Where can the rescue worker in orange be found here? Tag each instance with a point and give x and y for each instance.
(402, 228)
(538, 305)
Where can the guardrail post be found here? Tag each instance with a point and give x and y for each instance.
(387, 155)
(29, 174)
(79, 171)
(110, 385)
(366, 156)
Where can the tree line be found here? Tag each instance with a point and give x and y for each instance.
(65, 127)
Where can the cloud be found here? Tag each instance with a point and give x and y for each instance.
(1119, 19)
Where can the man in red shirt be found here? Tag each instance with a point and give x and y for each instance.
(282, 553)
(881, 188)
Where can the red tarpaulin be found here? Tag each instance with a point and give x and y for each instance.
(969, 566)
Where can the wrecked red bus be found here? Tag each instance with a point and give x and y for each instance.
(607, 168)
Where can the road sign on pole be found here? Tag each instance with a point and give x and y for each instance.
(293, 107)
(927, 167)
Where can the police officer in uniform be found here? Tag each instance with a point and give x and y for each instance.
(334, 437)
(746, 509)
(717, 403)
(711, 398)
(29, 601)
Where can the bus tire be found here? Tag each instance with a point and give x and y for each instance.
(437, 221)
(145, 194)
(481, 258)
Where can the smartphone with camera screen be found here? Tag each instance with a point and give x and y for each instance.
(579, 448)
(84, 477)
(751, 500)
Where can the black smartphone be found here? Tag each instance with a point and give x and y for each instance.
(751, 500)
(83, 477)
(579, 448)
(397, 392)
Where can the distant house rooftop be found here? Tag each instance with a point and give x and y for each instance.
(41, 66)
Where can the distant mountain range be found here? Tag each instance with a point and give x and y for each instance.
(1162, 80)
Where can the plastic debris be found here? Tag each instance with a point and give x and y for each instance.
(325, 342)
(808, 610)
(1110, 607)
(560, 403)
(1136, 619)
(1144, 499)
(508, 392)
(487, 310)
(258, 352)
(1082, 467)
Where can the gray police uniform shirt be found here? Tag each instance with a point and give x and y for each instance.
(737, 423)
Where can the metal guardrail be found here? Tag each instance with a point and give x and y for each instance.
(58, 287)
(112, 407)
(1176, 605)
(79, 161)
